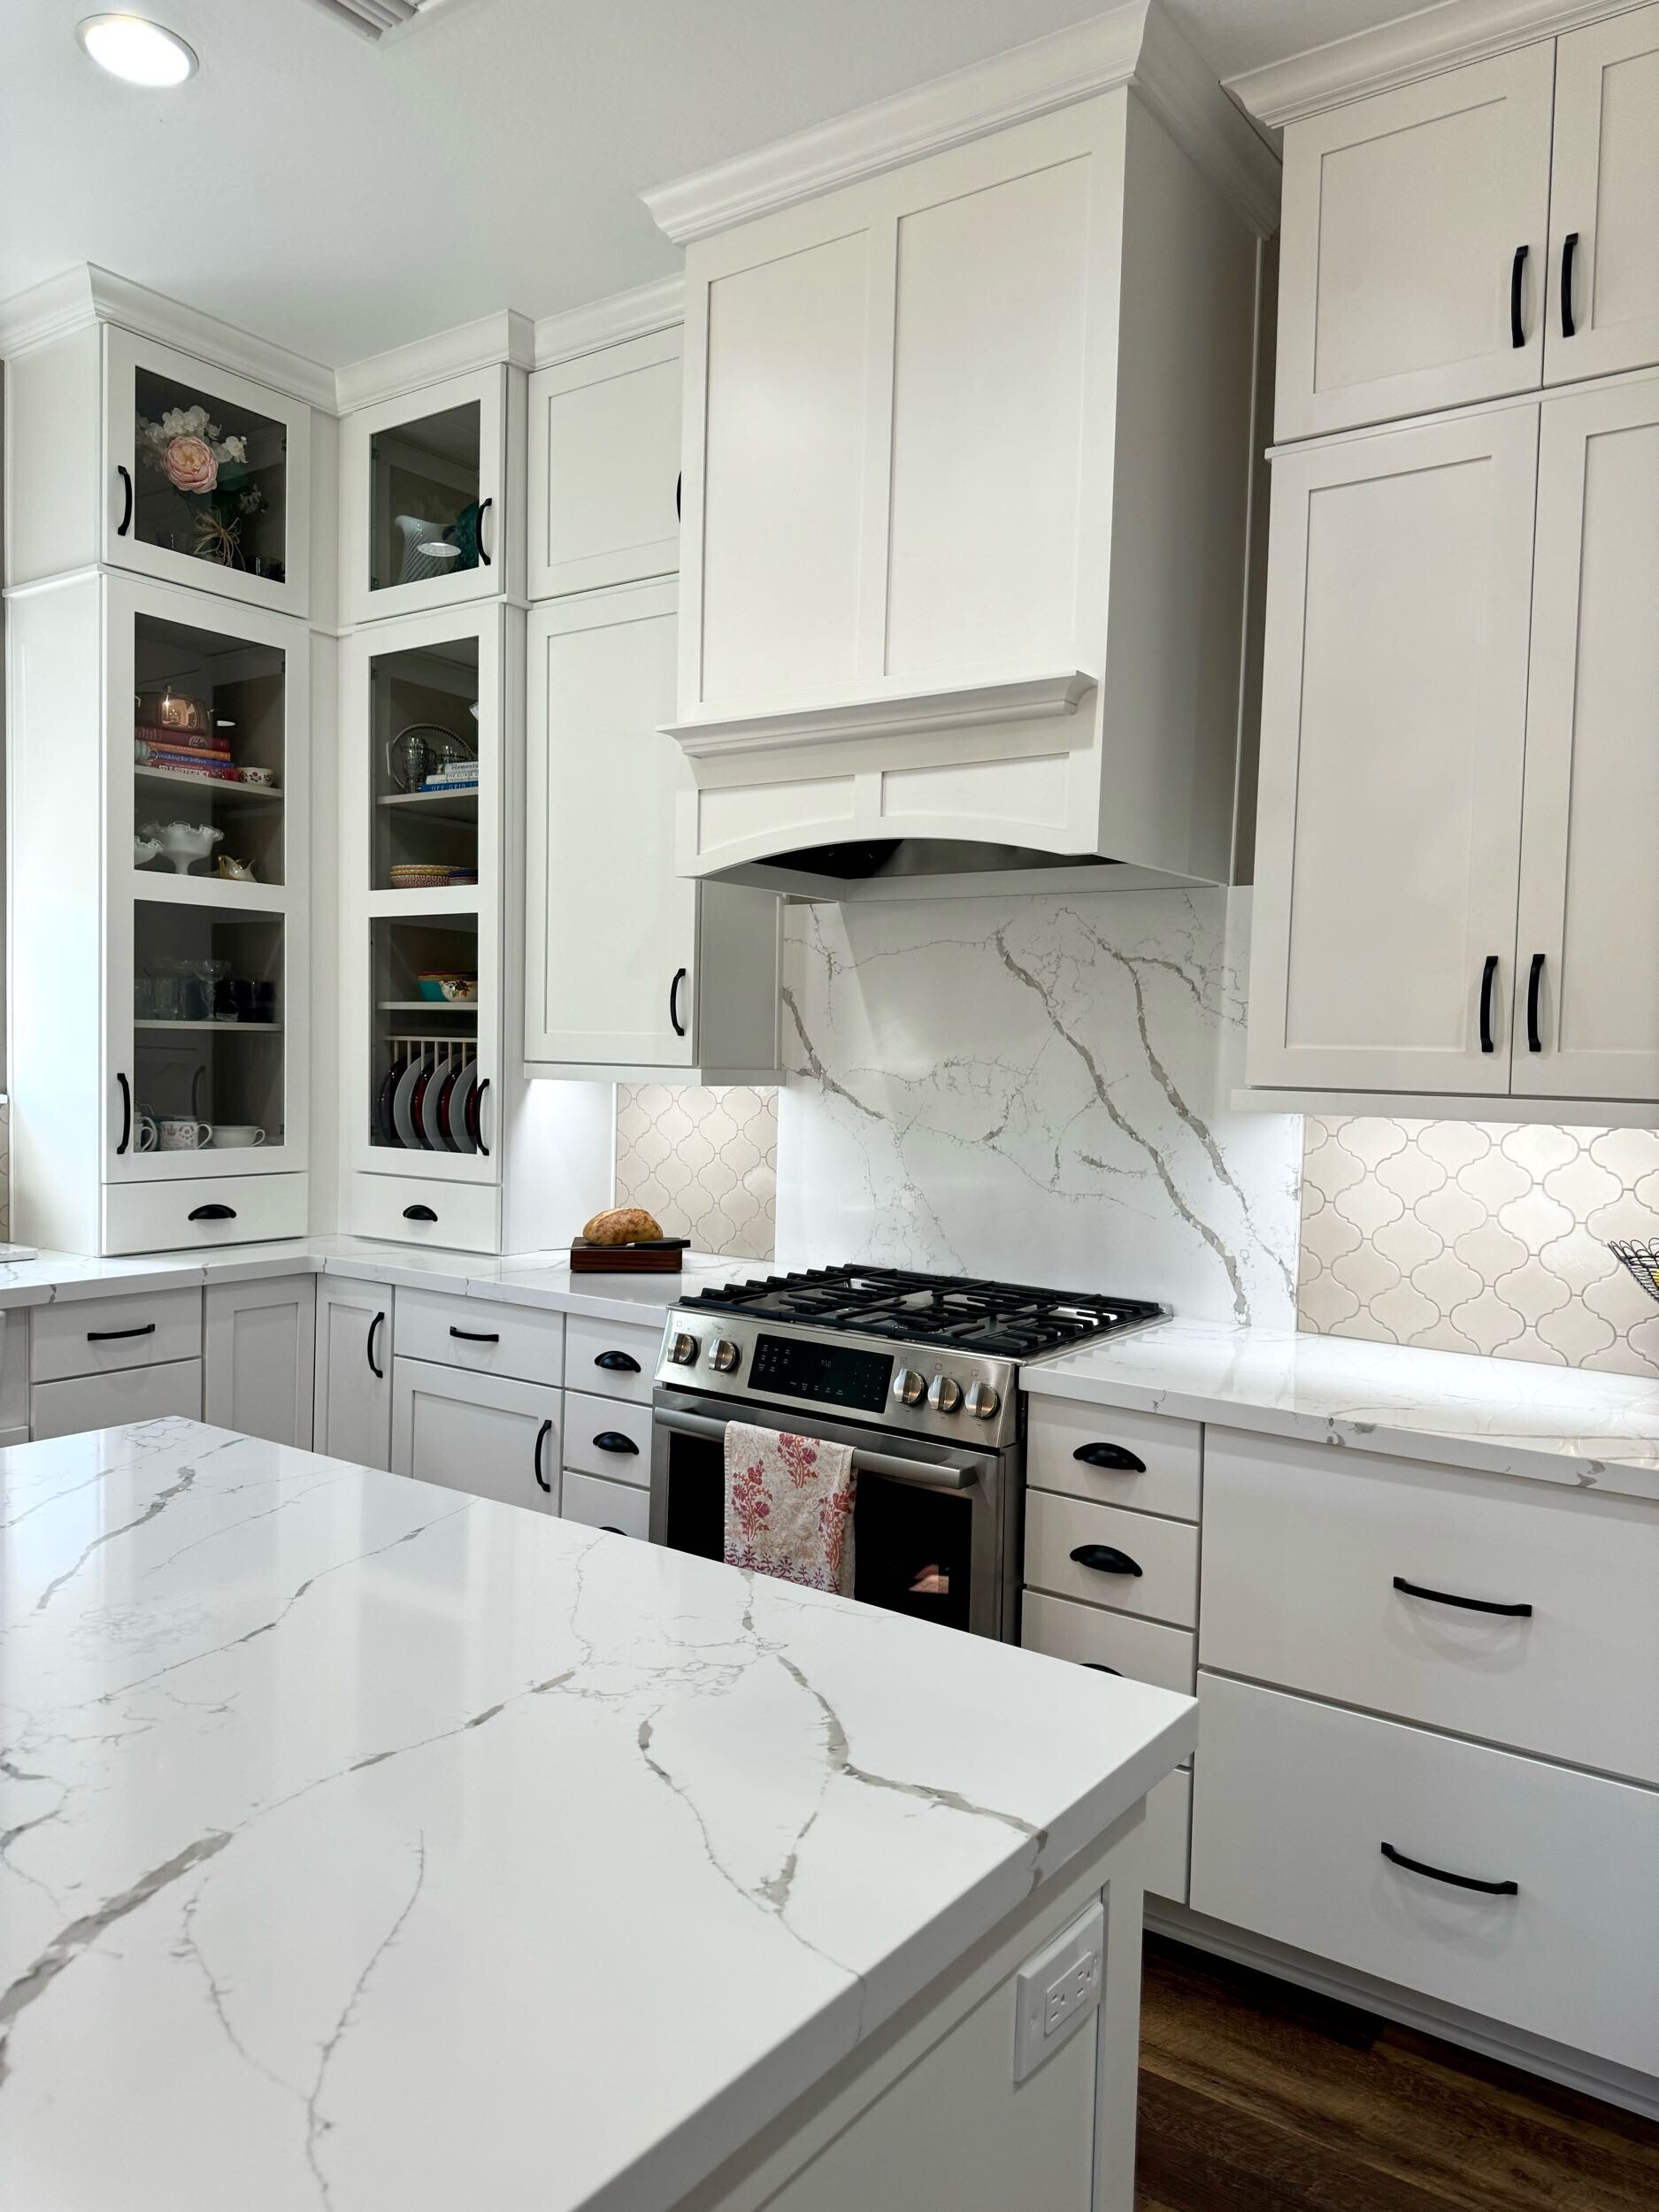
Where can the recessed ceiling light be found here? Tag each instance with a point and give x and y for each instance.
(133, 47)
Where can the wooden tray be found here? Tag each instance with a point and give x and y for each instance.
(661, 1257)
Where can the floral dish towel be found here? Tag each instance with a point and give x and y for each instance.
(789, 1506)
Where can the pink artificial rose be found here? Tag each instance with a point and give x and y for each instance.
(189, 464)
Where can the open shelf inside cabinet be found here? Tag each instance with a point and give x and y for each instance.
(209, 713)
(426, 1092)
(210, 479)
(423, 767)
(208, 992)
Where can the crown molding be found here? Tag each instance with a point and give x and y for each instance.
(1136, 43)
(639, 313)
(87, 295)
(1401, 52)
(507, 337)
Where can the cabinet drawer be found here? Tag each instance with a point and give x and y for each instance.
(1169, 1454)
(93, 1336)
(598, 1503)
(1168, 1820)
(489, 1435)
(1303, 1543)
(1146, 1651)
(1295, 1800)
(1166, 1553)
(616, 1359)
(597, 1433)
(485, 1334)
(465, 1217)
(105, 1402)
(176, 1217)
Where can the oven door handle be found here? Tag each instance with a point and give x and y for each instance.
(921, 1472)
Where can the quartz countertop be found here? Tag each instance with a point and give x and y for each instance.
(1561, 1425)
(376, 1849)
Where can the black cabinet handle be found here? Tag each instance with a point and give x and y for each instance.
(541, 1436)
(418, 1213)
(127, 1113)
(126, 522)
(108, 1336)
(678, 486)
(482, 552)
(1112, 1456)
(1467, 1605)
(474, 1116)
(1535, 985)
(1100, 1667)
(476, 1336)
(616, 1362)
(613, 1440)
(1517, 336)
(212, 1213)
(1488, 977)
(674, 1022)
(379, 1373)
(1569, 248)
(1439, 1874)
(1106, 1559)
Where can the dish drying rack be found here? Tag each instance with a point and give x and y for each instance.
(1643, 1262)
(446, 1051)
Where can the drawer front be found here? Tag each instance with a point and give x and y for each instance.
(597, 1434)
(95, 1336)
(204, 1212)
(1293, 1801)
(615, 1359)
(598, 1503)
(105, 1402)
(1146, 1651)
(1169, 1819)
(489, 1435)
(1302, 1544)
(465, 1217)
(1167, 1552)
(484, 1334)
(1169, 1454)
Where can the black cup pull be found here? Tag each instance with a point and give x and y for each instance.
(1100, 1667)
(375, 1327)
(418, 1213)
(483, 551)
(1466, 1605)
(1112, 1456)
(613, 1440)
(1569, 248)
(1517, 277)
(212, 1213)
(476, 1336)
(1106, 1559)
(1439, 1874)
(609, 1528)
(1534, 990)
(674, 1022)
(127, 1114)
(108, 1336)
(541, 1436)
(1488, 977)
(616, 1362)
(126, 522)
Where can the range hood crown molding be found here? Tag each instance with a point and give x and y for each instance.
(957, 706)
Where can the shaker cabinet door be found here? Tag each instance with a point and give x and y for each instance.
(1604, 200)
(258, 1341)
(481, 1433)
(354, 1372)
(604, 467)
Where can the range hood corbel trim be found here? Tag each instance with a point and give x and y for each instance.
(963, 707)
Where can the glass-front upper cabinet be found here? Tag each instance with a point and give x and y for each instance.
(421, 490)
(207, 477)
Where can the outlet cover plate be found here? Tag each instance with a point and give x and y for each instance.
(1055, 1992)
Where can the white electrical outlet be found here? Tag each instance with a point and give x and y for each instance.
(1054, 1992)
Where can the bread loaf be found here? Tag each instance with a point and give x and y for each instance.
(622, 1224)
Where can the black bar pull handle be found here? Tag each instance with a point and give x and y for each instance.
(418, 1213)
(1517, 277)
(541, 1436)
(1110, 1455)
(108, 1336)
(1488, 977)
(473, 1115)
(1439, 1874)
(483, 551)
(375, 1327)
(674, 1022)
(1106, 1559)
(476, 1336)
(1569, 249)
(126, 522)
(212, 1213)
(616, 1362)
(613, 1440)
(1534, 988)
(678, 486)
(1466, 1605)
(127, 1114)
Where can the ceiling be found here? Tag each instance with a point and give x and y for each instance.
(341, 196)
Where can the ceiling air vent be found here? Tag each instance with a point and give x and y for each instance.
(381, 18)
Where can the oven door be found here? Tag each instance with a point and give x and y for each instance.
(928, 1519)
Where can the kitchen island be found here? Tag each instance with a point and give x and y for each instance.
(372, 1846)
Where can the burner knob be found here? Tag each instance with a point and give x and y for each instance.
(944, 1394)
(908, 1387)
(682, 1349)
(723, 1354)
(982, 1401)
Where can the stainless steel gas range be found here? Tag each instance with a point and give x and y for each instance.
(919, 1373)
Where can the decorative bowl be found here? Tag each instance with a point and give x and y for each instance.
(182, 842)
(144, 850)
(460, 990)
(234, 870)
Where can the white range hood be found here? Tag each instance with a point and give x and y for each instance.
(969, 393)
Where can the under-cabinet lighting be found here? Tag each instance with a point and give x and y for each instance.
(133, 47)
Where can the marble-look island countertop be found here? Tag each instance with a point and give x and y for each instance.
(368, 1848)
(1504, 1417)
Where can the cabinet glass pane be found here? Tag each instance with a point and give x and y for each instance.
(425, 1093)
(210, 477)
(207, 1027)
(209, 718)
(423, 495)
(423, 767)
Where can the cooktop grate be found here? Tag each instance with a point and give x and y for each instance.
(1011, 1320)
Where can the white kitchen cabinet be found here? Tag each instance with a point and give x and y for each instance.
(604, 467)
(630, 968)
(486, 1434)
(111, 1401)
(621, 1506)
(1393, 720)
(353, 1398)
(1604, 200)
(1410, 269)
(259, 1342)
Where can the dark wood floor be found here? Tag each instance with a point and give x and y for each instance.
(1258, 2097)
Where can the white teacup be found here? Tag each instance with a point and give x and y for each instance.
(234, 1136)
(143, 1130)
(179, 1134)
